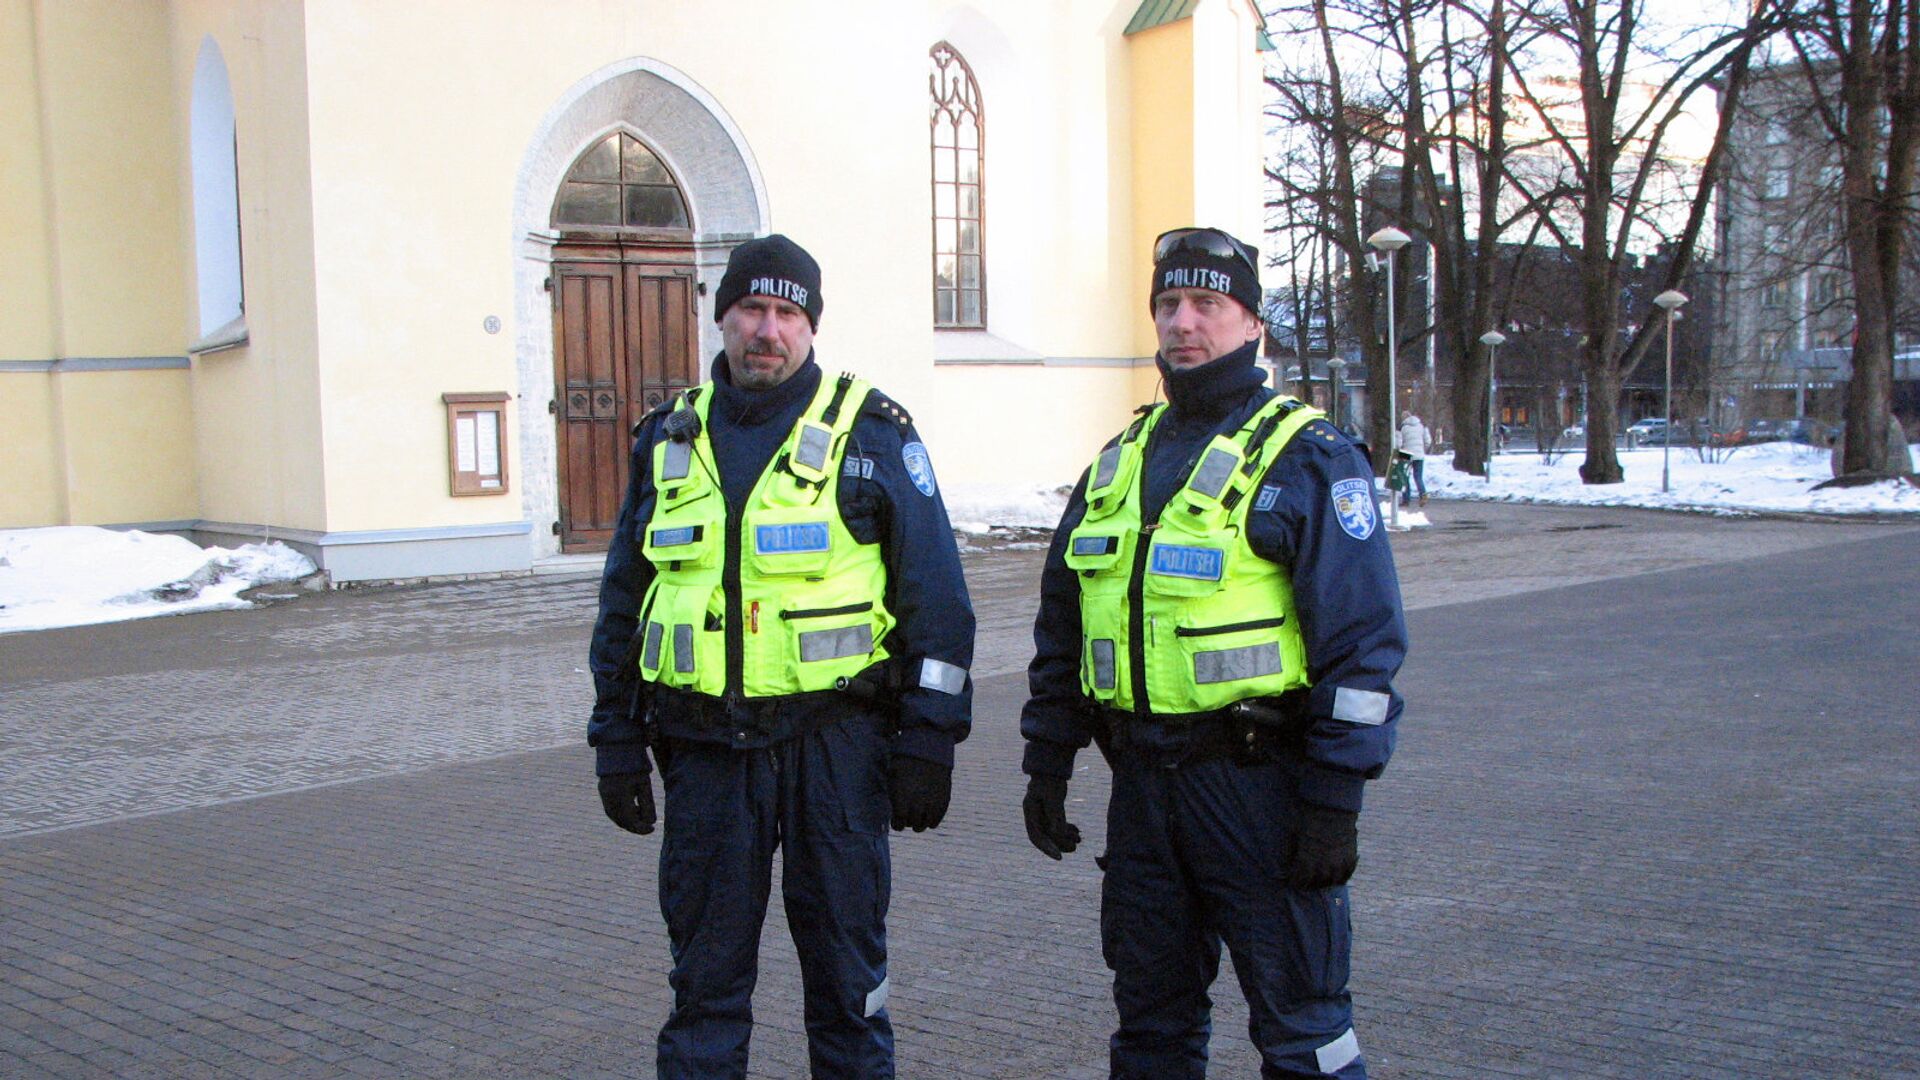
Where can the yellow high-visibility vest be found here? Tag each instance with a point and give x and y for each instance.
(1182, 616)
(812, 600)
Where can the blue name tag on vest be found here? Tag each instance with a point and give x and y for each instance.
(1092, 545)
(1199, 563)
(791, 539)
(673, 537)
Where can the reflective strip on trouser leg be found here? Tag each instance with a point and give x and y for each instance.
(877, 999)
(1338, 1054)
(1222, 824)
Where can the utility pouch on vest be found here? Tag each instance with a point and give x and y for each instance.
(789, 540)
(1178, 565)
(1112, 476)
(679, 617)
(1092, 552)
(683, 546)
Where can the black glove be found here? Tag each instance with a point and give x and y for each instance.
(1046, 810)
(628, 800)
(1326, 847)
(921, 790)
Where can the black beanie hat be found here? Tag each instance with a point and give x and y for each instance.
(771, 266)
(1190, 265)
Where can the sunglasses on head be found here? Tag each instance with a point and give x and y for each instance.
(1206, 241)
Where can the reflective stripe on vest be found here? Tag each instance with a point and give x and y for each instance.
(811, 605)
(1192, 620)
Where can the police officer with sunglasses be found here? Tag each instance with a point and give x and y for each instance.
(1220, 612)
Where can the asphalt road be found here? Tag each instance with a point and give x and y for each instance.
(1653, 813)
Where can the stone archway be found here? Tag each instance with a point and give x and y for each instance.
(725, 195)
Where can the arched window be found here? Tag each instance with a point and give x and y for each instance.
(620, 183)
(959, 244)
(216, 202)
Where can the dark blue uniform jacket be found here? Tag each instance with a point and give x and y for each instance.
(1344, 585)
(879, 502)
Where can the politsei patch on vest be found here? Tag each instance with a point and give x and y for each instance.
(794, 539)
(1353, 506)
(1267, 497)
(1199, 563)
(919, 467)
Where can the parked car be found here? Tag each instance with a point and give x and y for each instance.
(1647, 432)
(1798, 430)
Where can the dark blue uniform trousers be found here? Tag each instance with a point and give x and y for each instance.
(823, 796)
(1196, 854)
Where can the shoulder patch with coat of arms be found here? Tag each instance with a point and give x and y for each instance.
(1353, 507)
(919, 467)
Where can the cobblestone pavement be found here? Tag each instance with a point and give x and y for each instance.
(1651, 825)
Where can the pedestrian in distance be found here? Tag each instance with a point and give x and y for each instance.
(1219, 612)
(784, 623)
(1414, 441)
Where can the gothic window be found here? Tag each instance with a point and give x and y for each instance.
(620, 183)
(959, 267)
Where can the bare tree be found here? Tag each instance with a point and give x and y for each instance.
(1613, 158)
(1862, 65)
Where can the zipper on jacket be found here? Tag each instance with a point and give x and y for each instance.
(730, 585)
(1230, 628)
(1136, 631)
(820, 613)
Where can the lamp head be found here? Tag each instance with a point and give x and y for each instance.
(1389, 239)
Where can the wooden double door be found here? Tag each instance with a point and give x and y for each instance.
(624, 341)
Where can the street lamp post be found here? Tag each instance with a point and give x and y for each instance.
(1492, 339)
(1390, 240)
(1670, 302)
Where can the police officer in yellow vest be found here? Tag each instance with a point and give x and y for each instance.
(1219, 610)
(783, 620)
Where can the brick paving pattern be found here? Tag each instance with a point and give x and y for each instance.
(1659, 825)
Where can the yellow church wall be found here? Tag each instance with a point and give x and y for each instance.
(259, 449)
(405, 279)
(26, 274)
(1163, 145)
(129, 454)
(107, 119)
(1227, 100)
(29, 454)
(1034, 429)
(92, 394)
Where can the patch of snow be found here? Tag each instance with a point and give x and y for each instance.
(1768, 477)
(79, 575)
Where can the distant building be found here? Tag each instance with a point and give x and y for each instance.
(1785, 330)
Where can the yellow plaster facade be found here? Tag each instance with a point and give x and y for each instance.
(392, 213)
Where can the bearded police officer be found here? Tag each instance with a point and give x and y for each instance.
(1219, 610)
(784, 621)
